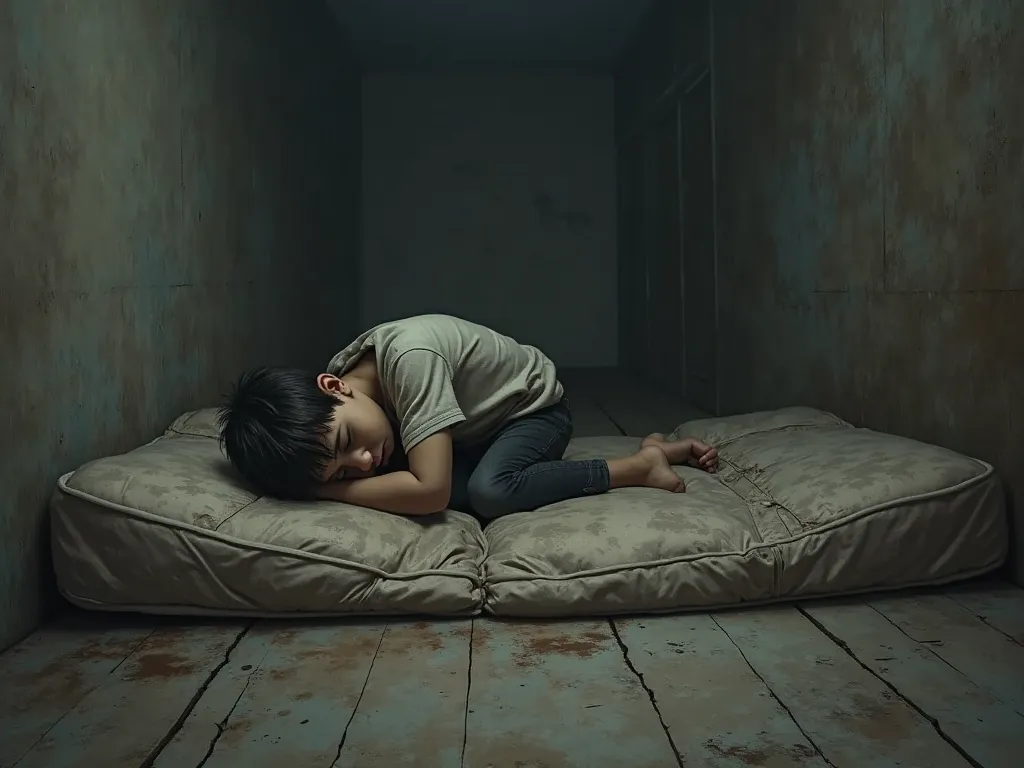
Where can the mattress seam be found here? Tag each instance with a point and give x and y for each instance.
(963, 484)
(808, 425)
(149, 517)
(178, 432)
(742, 499)
(191, 610)
(802, 597)
(754, 549)
(244, 506)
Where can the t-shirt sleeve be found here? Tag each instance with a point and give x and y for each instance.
(420, 385)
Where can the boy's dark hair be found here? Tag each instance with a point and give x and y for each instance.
(272, 429)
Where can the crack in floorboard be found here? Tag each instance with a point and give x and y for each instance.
(72, 708)
(469, 688)
(775, 696)
(355, 709)
(986, 622)
(650, 693)
(923, 643)
(929, 643)
(222, 725)
(932, 720)
(180, 722)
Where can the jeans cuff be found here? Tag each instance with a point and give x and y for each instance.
(598, 479)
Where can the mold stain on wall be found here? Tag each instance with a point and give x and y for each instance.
(870, 236)
(178, 194)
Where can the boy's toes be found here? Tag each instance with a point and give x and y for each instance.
(709, 459)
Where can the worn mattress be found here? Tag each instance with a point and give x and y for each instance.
(804, 504)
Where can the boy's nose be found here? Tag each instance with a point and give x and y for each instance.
(365, 460)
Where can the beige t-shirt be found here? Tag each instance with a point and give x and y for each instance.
(439, 371)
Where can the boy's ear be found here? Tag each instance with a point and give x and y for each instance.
(332, 385)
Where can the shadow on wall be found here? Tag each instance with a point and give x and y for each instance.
(871, 247)
(498, 192)
(172, 179)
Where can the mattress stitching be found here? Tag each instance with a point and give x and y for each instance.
(484, 606)
(970, 482)
(244, 506)
(178, 432)
(782, 520)
(746, 473)
(742, 499)
(191, 610)
(477, 578)
(149, 517)
(769, 499)
(775, 599)
(783, 428)
(777, 567)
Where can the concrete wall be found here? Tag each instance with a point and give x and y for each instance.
(870, 174)
(868, 252)
(178, 201)
(492, 197)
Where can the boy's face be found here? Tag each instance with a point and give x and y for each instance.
(360, 437)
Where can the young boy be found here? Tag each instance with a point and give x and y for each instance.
(482, 423)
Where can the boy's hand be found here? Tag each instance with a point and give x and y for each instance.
(423, 490)
(351, 473)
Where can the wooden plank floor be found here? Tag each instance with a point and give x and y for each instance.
(929, 678)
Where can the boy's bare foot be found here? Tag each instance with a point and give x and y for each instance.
(660, 474)
(648, 468)
(689, 451)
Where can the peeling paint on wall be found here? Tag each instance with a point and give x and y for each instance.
(178, 196)
(953, 93)
(870, 239)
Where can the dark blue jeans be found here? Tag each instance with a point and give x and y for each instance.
(521, 467)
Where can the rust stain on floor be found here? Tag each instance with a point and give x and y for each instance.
(887, 720)
(424, 637)
(235, 731)
(582, 646)
(287, 637)
(63, 678)
(160, 665)
(762, 755)
(334, 659)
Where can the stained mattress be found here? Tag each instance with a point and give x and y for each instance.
(804, 504)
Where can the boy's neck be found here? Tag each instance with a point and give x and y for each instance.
(364, 377)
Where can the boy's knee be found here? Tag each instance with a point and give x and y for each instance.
(492, 496)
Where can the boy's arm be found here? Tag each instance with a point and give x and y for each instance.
(423, 490)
